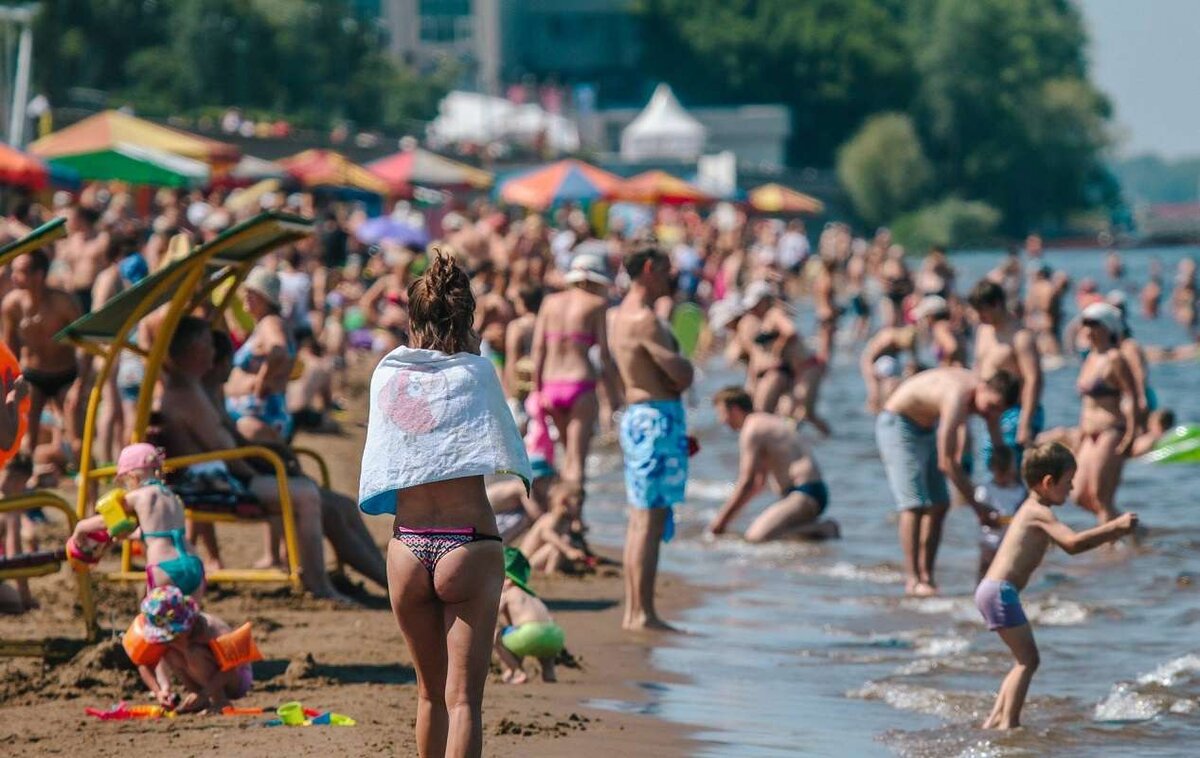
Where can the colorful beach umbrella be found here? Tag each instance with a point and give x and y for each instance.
(657, 188)
(20, 170)
(775, 198)
(561, 182)
(104, 131)
(403, 170)
(136, 165)
(376, 230)
(330, 169)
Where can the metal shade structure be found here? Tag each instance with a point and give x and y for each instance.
(48, 232)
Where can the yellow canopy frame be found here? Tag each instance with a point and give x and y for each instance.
(182, 286)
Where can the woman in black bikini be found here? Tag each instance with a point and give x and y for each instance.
(1108, 418)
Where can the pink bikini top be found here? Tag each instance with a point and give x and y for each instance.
(583, 338)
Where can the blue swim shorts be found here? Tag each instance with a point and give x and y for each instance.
(271, 410)
(654, 442)
(910, 460)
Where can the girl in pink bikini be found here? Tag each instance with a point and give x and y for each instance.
(569, 325)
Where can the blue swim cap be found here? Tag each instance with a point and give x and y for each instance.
(133, 268)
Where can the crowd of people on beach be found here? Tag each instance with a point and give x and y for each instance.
(503, 353)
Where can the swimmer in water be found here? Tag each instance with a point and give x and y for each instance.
(1048, 471)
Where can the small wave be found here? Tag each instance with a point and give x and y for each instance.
(1124, 705)
(931, 665)
(701, 489)
(847, 570)
(952, 706)
(1052, 611)
(936, 647)
(1172, 672)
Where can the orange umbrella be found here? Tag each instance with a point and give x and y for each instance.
(775, 198)
(20, 170)
(565, 181)
(104, 131)
(659, 187)
(327, 168)
(420, 166)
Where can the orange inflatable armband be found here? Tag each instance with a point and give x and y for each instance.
(141, 650)
(236, 648)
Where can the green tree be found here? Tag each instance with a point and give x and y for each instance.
(950, 222)
(1005, 106)
(834, 62)
(883, 167)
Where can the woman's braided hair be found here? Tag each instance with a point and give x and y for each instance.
(441, 307)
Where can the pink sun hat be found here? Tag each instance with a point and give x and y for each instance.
(140, 455)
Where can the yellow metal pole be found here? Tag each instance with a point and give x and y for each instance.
(158, 351)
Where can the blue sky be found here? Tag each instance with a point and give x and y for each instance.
(1146, 57)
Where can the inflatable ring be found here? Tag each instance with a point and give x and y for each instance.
(687, 322)
(536, 640)
(1180, 445)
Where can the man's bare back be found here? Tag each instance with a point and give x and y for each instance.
(923, 398)
(778, 450)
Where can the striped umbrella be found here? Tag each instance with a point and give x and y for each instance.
(561, 182)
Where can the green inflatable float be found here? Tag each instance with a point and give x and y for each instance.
(687, 322)
(1180, 445)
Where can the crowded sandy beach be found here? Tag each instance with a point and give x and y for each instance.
(705, 389)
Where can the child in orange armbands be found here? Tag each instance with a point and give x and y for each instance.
(204, 653)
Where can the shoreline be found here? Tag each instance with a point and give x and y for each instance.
(349, 661)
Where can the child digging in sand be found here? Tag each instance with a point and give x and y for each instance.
(548, 543)
(1048, 471)
(176, 621)
(526, 628)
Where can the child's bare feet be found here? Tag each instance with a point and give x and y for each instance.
(516, 676)
(548, 674)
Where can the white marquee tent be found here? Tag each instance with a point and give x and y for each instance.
(663, 130)
(472, 117)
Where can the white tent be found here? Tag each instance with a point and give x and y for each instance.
(472, 117)
(663, 130)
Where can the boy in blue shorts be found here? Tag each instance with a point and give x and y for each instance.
(1047, 471)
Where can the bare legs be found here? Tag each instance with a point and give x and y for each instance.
(642, 541)
(1099, 473)
(575, 427)
(351, 541)
(306, 505)
(920, 535)
(794, 516)
(448, 621)
(1006, 714)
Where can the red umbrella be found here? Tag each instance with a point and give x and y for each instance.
(20, 170)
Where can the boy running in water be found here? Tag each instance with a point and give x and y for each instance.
(1048, 471)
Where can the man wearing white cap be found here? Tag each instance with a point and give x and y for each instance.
(570, 324)
(1003, 344)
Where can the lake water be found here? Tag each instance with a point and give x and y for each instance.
(804, 649)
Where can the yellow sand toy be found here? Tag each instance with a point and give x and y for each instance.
(45, 562)
(185, 286)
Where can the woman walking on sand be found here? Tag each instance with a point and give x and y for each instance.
(438, 424)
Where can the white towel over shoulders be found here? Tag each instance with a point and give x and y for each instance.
(435, 417)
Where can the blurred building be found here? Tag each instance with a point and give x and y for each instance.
(516, 42)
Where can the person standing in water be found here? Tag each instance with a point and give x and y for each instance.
(1002, 344)
(438, 424)
(653, 428)
(918, 435)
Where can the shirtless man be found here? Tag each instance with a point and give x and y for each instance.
(771, 446)
(918, 435)
(1039, 307)
(1002, 344)
(85, 252)
(653, 428)
(32, 314)
(192, 424)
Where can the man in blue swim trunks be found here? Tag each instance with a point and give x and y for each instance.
(653, 428)
(770, 445)
(1003, 344)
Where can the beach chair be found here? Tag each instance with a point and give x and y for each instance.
(43, 563)
(208, 276)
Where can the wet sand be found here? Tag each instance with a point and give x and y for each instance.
(348, 661)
